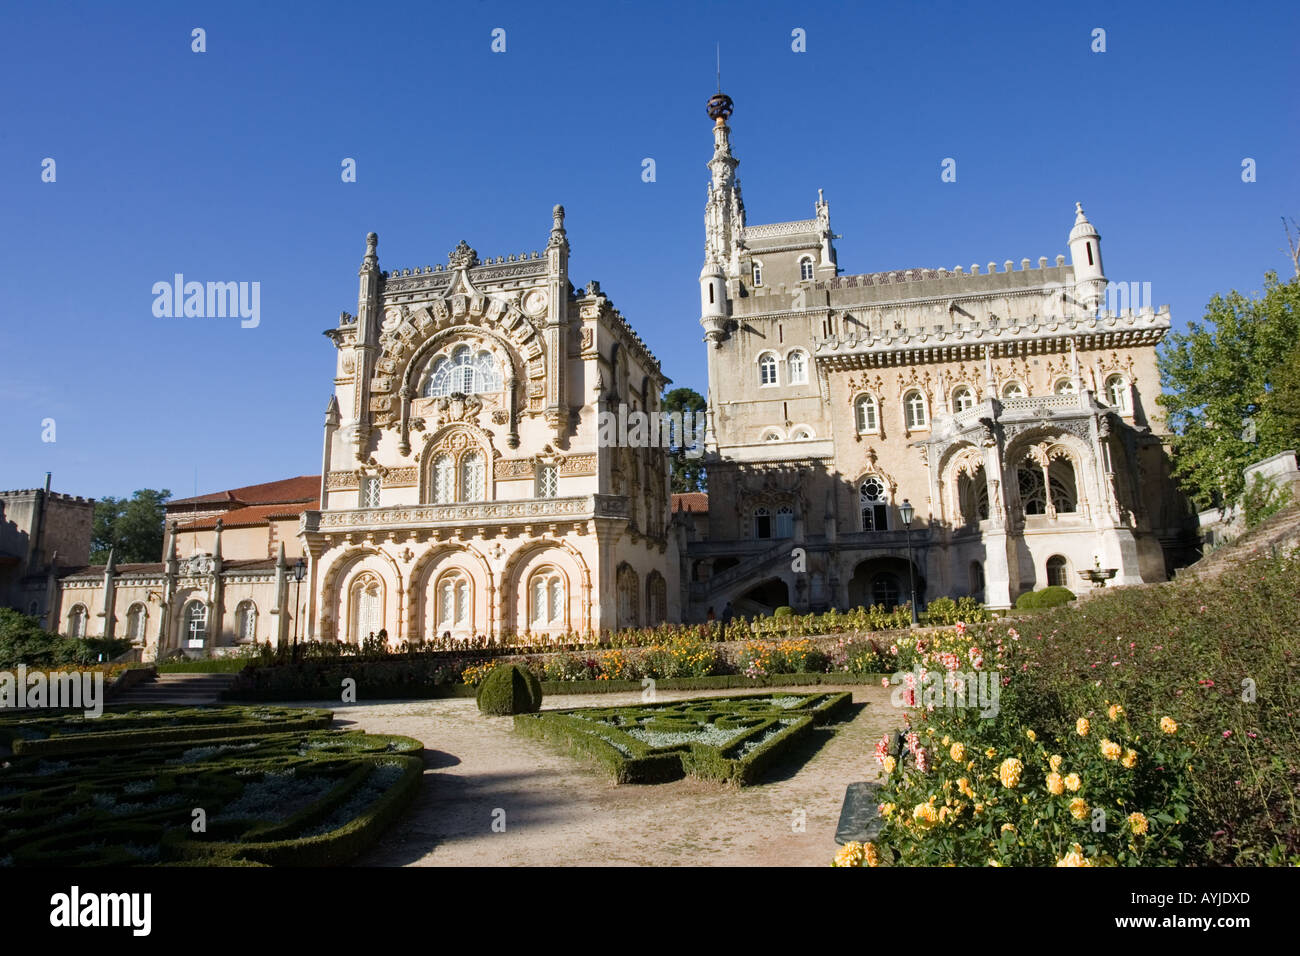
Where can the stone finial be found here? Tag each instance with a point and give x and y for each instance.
(372, 250)
(462, 257)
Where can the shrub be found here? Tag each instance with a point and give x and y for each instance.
(1053, 596)
(1262, 500)
(783, 611)
(510, 689)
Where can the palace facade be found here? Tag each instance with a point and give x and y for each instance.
(983, 431)
(1013, 416)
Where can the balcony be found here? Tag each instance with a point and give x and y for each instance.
(467, 514)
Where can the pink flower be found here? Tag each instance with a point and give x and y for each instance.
(884, 682)
(882, 749)
(1227, 734)
(922, 760)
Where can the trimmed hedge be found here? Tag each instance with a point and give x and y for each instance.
(297, 799)
(70, 732)
(510, 689)
(765, 729)
(1053, 596)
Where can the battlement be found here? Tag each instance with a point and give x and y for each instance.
(922, 275)
(53, 496)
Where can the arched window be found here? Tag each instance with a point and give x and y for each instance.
(865, 408)
(1117, 393)
(784, 526)
(798, 367)
(973, 494)
(454, 607)
(77, 621)
(962, 399)
(758, 274)
(546, 599)
(762, 523)
(196, 623)
(548, 481)
(1056, 571)
(471, 477)
(629, 597)
(771, 435)
(1013, 390)
(914, 409)
(801, 434)
(444, 480)
(246, 622)
(136, 619)
(656, 599)
(767, 369)
(465, 371)
(1065, 387)
(367, 601)
(370, 485)
(805, 268)
(873, 498)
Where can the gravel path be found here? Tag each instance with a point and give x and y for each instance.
(563, 810)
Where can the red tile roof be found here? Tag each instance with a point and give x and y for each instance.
(304, 488)
(250, 517)
(696, 502)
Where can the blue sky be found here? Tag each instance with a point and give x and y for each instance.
(225, 166)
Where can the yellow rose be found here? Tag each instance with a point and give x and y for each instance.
(1055, 785)
(1078, 808)
(1109, 749)
(1115, 712)
(1054, 761)
(890, 764)
(1081, 725)
(1072, 782)
(957, 752)
(1130, 759)
(1009, 772)
(1137, 823)
(851, 854)
(1168, 725)
(1031, 735)
(886, 809)
(963, 785)
(979, 808)
(925, 815)
(1008, 826)
(946, 740)
(1074, 858)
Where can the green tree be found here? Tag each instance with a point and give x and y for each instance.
(132, 527)
(1280, 419)
(1219, 379)
(687, 472)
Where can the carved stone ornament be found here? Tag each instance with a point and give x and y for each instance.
(462, 257)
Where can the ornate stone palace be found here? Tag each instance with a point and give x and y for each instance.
(465, 489)
(1015, 417)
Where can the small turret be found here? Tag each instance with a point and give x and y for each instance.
(713, 302)
(1085, 255)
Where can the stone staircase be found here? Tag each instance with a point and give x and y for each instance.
(191, 690)
(1278, 533)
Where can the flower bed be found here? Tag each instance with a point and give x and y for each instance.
(1150, 726)
(298, 798)
(728, 739)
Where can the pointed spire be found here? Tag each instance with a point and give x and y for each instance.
(280, 561)
(332, 416)
(110, 566)
(1082, 227)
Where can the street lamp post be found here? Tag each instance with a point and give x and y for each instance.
(299, 572)
(907, 511)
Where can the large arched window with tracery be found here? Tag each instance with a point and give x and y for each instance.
(464, 370)
(1050, 490)
(444, 479)
(366, 603)
(873, 498)
(973, 496)
(196, 622)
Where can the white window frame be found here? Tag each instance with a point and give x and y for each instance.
(811, 270)
(802, 367)
(764, 358)
(958, 394)
(1020, 389)
(371, 486)
(757, 274)
(874, 403)
(924, 422)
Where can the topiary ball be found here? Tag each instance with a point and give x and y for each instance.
(783, 611)
(509, 689)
